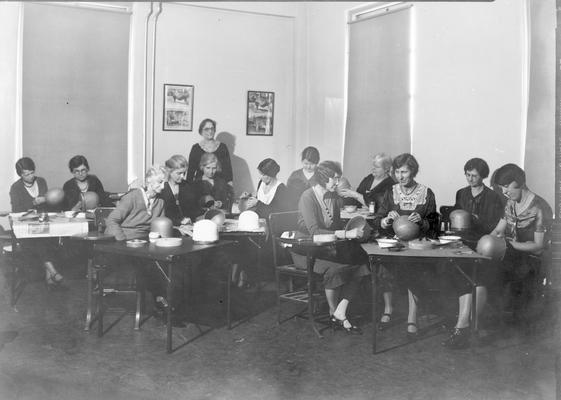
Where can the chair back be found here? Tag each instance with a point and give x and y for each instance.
(100, 216)
(279, 223)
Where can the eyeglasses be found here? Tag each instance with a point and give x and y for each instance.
(26, 174)
(209, 129)
(80, 171)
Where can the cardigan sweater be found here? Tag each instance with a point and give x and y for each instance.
(130, 219)
(184, 206)
(223, 155)
(21, 199)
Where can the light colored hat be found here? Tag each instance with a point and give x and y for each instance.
(205, 231)
(248, 221)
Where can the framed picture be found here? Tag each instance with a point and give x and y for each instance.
(260, 113)
(178, 107)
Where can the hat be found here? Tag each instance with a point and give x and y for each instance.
(216, 215)
(248, 221)
(205, 231)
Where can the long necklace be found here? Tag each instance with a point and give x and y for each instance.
(83, 186)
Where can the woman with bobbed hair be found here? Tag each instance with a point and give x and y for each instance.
(417, 202)
(525, 225)
(180, 200)
(303, 178)
(208, 144)
(272, 195)
(343, 269)
(75, 188)
(27, 193)
(210, 189)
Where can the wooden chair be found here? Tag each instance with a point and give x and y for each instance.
(306, 294)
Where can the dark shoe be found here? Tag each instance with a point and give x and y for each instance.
(412, 336)
(384, 324)
(458, 339)
(340, 324)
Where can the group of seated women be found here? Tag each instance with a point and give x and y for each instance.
(183, 191)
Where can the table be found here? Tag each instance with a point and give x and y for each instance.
(360, 211)
(169, 257)
(456, 256)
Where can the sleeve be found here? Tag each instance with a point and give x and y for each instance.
(104, 199)
(492, 213)
(194, 160)
(306, 206)
(363, 186)
(15, 198)
(430, 217)
(227, 172)
(281, 202)
(189, 201)
(118, 215)
(383, 209)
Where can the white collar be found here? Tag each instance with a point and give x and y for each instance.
(267, 197)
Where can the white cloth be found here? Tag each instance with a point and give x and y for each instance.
(266, 198)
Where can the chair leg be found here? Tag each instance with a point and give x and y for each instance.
(228, 297)
(89, 311)
(99, 311)
(13, 283)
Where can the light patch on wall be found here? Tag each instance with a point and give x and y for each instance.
(333, 128)
(412, 72)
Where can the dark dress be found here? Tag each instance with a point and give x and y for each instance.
(72, 193)
(223, 155)
(339, 264)
(297, 184)
(184, 205)
(221, 191)
(20, 198)
(377, 193)
(280, 202)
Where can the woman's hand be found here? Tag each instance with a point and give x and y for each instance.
(251, 202)
(393, 215)
(348, 193)
(415, 217)
(515, 245)
(39, 200)
(185, 221)
(217, 204)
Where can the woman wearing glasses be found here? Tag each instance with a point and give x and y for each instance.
(208, 144)
(76, 188)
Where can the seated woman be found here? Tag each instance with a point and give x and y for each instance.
(27, 193)
(303, 178)
(208, 144)
(417, 201)
(372, 189)
(180, 200)
(75, 188)
(211, 189)
(319, 213)
(525, 225)
(486, 209)
(272, 195)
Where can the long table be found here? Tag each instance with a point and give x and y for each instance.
(166, 260)
(456, 257)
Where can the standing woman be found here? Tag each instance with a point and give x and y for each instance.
(303, 178)
(75, 188)
(207, 129)
(408, 197)
(26, 193)
(272, 195)
(342, 270)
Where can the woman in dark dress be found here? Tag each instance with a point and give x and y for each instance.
(211, 189)
(75, 188)
(342, 269)
(486, 209)
(417, 201)
(180, 199)
(272, 195)
(208, 144)
(27, 193)
(303, 178)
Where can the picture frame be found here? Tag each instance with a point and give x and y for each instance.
(178, 107)
(260, 113)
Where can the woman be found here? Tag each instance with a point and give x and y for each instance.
(319, 209)
(272, 195)
(180, 201)
(75, 188)
(207, 129)
(486, 209)
(27, 193)
(408, 197)
(372, 189)
(525, 224)
(303, 179)
(211, 189)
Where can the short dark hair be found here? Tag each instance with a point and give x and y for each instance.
(479, 165)
(203, 123)
(326, 170)
(509, 173)
(76, 161)
(269, 167)
(407, 160)
(24, 163)
(311, 154)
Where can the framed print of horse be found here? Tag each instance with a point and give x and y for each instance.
(260, 113)
(178, 107)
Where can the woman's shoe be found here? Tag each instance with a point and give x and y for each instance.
(458, 339)
(340, 324)
(385, 324)
(412, 336)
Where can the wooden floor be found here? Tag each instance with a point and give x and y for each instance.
(45, 354)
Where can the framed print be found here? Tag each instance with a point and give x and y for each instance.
(178, 107)
(260, 113)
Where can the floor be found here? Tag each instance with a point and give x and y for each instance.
(46, 354)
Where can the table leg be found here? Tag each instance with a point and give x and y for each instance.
(89, 311)
(168, 309)
(139, 301)
(228, 298)
(99, 311)
(310, 267)
(374, 264)
(474, 316)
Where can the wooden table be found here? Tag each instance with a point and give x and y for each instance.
(165, 258)
(456, 257)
